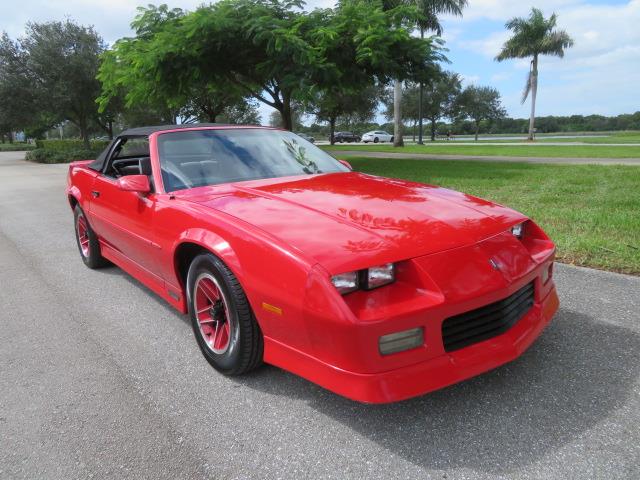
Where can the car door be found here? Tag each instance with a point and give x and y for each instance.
(125, 220)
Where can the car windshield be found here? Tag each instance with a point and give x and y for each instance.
(197, 158)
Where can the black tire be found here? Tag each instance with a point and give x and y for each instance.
(90, 252)
(376, 140)
(244, 352)
(391, 139)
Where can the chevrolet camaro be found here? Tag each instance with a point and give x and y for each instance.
(375, 288)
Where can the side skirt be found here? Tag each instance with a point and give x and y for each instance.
(144, 276)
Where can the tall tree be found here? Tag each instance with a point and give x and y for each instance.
(332, 105)
(49, 75)
(479, 104)
(532, 37)
(62, 60)
(426, 20)
(270, 49)
(442, 92)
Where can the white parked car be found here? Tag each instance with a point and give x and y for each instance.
(377, 136)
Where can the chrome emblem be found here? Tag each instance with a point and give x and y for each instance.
(494, 264)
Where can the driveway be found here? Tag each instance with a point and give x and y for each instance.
(100, 378)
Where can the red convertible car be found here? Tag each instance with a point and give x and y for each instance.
(374, 288)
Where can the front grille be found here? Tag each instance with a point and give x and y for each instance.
(486, 322)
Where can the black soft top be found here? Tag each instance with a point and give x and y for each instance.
(98, 163)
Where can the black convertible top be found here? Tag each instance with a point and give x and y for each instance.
(98, 163)
(146, 131)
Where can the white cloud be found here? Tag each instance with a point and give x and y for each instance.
(599, 74)
(503, 10)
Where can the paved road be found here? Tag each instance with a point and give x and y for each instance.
(99, 378)
(486, 158)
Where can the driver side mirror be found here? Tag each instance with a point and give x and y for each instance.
(346, 164)
(135, 183)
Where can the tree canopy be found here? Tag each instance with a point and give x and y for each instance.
(270, 50)
(49, 75)
(479, 104)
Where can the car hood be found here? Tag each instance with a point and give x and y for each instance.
(346, 221)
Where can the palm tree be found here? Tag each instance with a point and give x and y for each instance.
(428, 21)
(532, 37)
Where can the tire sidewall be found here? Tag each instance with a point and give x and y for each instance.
(94, 258)
(207, 263)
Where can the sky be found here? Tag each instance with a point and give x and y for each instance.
(599, 75)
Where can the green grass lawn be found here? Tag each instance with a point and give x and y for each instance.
(592, 212)
(620, 137)
(536, 150)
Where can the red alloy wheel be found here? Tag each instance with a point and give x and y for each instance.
(83, 235)
(212, 313)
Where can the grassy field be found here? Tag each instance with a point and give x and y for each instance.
(621, 137)
(592, 212)
(537, 150)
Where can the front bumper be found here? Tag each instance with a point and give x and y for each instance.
(423, 377)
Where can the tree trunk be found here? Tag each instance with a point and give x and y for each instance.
(285, 112)
(420, 101)
(10, 134)
(477, 129)
(110, 129)
(397, 114)
(534, 93)
(433, 130)
(414, 132)
(332, 130)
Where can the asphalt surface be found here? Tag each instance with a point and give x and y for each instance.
(99, 378)
(487, 158)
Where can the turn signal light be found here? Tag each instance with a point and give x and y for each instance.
(401, 341)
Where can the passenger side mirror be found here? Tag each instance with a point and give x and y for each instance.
(135, 183)
(346, 164)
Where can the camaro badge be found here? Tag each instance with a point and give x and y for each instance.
(494, 264)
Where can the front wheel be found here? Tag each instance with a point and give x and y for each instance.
(376, 140)
(223, 323)
(391, 139)
(87, 240)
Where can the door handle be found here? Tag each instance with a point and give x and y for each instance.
(95, 193)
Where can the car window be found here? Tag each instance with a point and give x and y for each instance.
(134, 147)
(208, 157)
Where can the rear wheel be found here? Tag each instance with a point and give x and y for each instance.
(87, 240)
(222, 320)
(376, 140)
(391, 139)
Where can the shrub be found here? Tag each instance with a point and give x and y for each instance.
(16, 147)
(43, 155)
(70, 145)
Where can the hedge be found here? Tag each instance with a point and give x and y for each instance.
(70, 145)
(43, 155)
(16, 147)
(65, 151)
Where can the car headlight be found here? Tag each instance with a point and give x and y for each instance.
(367, 279)
(518, 230)
(345, 282)
(379, 276)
